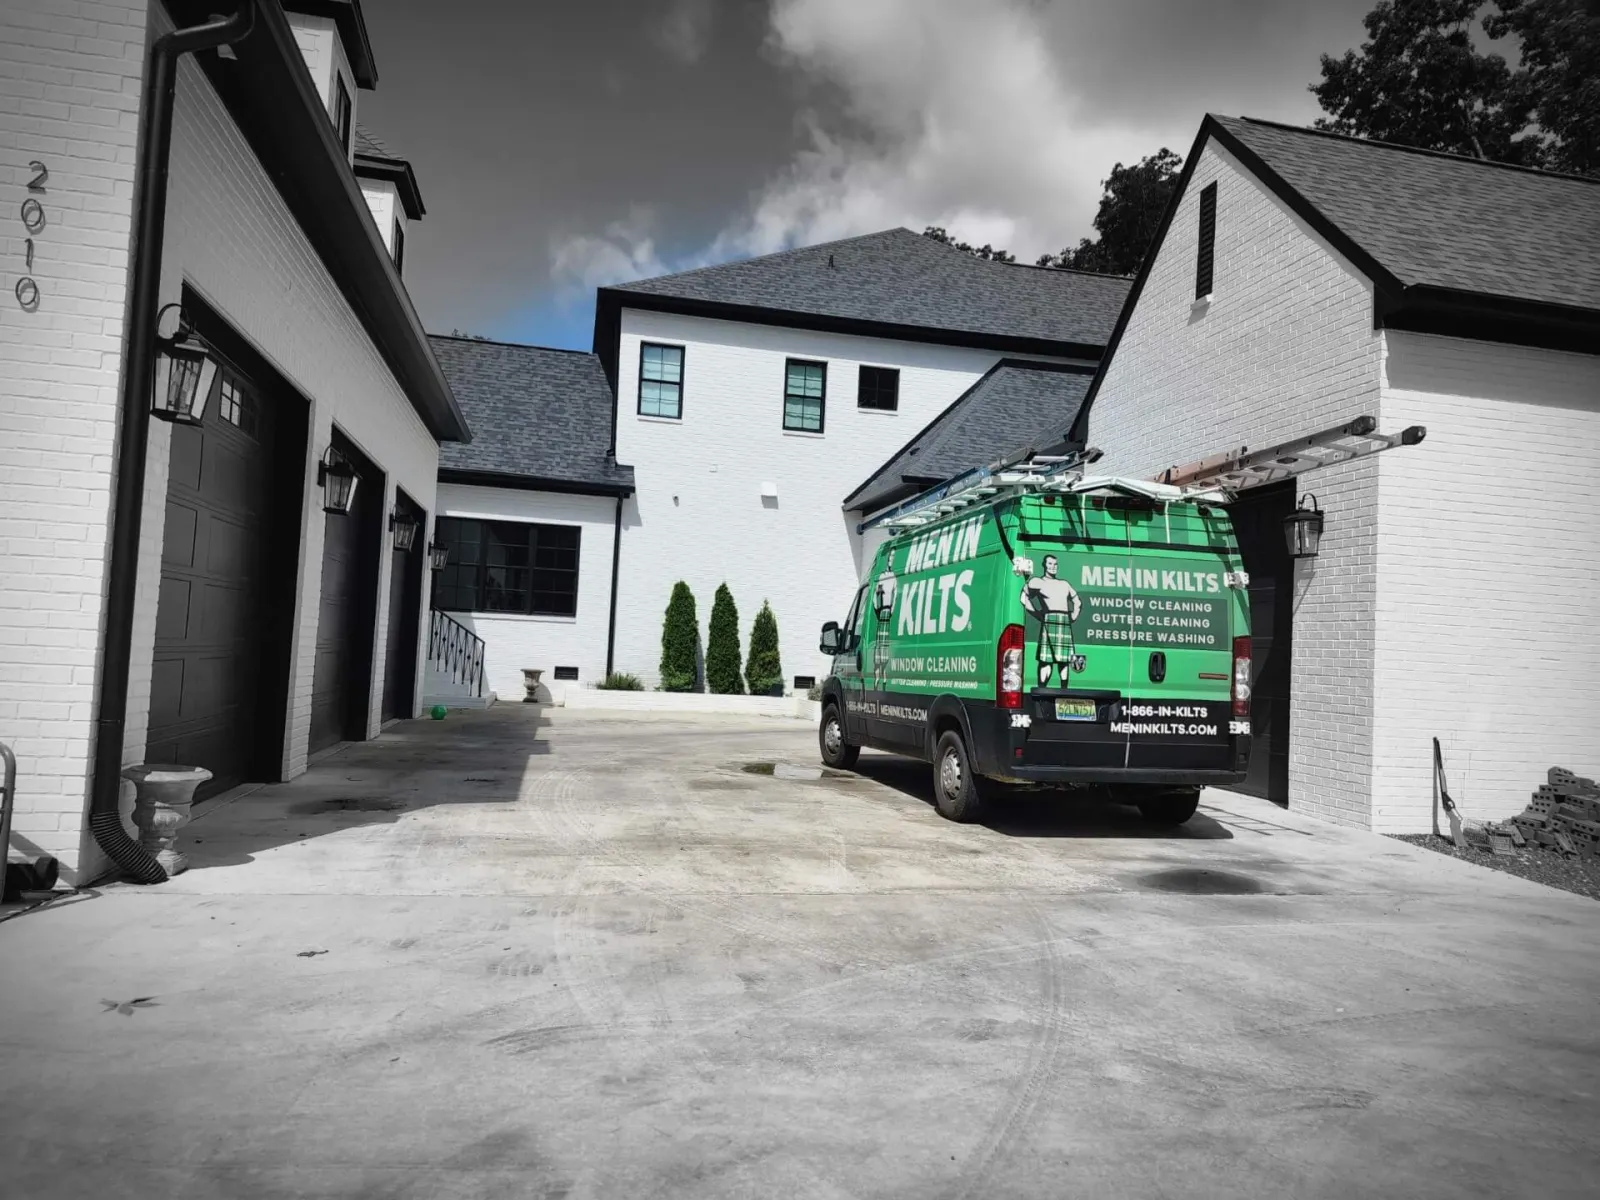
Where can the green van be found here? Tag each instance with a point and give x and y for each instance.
(1088, 635)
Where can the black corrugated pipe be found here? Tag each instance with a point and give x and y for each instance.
(138, 377)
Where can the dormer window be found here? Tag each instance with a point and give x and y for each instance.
(399, 248)
(343, 112)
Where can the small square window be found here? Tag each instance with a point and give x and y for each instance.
(879, 389)
(804, 395)
(660, 381)
(235, 404)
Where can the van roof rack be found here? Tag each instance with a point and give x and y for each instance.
(1215, 479)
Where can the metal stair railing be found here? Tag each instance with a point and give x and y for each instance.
(457, 651)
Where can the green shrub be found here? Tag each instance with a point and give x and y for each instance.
(680, 642)
(764, 672)
(620, 681)
(722, 646)
(814, 692)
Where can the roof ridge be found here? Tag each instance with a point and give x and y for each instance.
(467, 337)
(1422, 150)
(859, 237)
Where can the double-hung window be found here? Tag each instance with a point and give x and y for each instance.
(804, 395)
(879, 389)
(508, 567)
(660, 381)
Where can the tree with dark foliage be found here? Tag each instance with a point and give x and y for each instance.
(680, 642)
(938, 234)
(1131, 207)
(1421, 82)
(724, 671)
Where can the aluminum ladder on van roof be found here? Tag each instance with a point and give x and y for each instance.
(1216, 478)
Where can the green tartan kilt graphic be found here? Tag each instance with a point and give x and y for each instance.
(1055, 639)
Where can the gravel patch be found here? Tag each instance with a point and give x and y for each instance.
(1579, 874)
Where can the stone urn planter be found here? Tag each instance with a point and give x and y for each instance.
(162, 795)
(530, 684)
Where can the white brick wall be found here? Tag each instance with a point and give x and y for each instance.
(231, 238)
(1489, 594)
(323, 50)
(515, 642)
(699, 514)
(1286, 347)
(382, 203)
(70, 78)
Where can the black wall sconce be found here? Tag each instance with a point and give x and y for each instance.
(1303, 529)
(439, 556)
(185, 372)
(404, 526)
(337, 478)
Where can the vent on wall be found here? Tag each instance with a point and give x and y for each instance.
(567, 673)
(1208, 242)
(804, 682)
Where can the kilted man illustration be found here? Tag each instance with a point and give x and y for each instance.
(1054, 601)
(883, 592)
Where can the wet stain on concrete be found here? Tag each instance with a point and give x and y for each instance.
(718, 785)
(1197, 882)
(348, 804)
(799, 772)
(758, 768)
(518, 966)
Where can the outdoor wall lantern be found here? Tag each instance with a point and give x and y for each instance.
(405, 530)
(1303, 529)
(184, 374)
(439, 556)
(337, 478)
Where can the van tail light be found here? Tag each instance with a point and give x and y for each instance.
(1241, 677)
(1008, 668)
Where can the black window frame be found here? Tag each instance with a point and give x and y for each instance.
(683, 369)
(343, 111)
(1206, 251)
(877, 390)
(399, 250)
(467, 575)
(822, 400)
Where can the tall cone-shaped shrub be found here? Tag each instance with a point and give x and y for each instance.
(763, 671)
(722, 646)
(680, 638)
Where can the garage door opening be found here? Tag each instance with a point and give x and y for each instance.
(1258, 521)
(405, 614)
(341, 688)
(220, 667)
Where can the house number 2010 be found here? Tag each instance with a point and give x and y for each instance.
(33, 221)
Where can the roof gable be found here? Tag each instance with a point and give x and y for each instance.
(1014, 405)
(1440, 220)
(540, 418)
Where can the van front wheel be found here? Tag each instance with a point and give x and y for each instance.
(957, 790)
(836, 752)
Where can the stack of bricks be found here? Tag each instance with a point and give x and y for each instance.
(1564, 814)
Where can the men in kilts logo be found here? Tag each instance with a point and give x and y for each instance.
(1054, 601)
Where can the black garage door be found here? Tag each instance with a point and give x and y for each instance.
(1258, 520)
(405, 594)
(342, 681)
(209, 652)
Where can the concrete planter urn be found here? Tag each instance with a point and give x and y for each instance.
(530, 684)
(162, 795)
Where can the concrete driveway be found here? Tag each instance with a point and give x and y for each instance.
(531, 954)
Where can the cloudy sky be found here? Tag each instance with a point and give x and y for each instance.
(564, 144)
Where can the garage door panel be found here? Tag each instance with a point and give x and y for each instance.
(177, 540)
(166, 691)
(172, 610)
(231, 475)
(183, 469)
(230, 547)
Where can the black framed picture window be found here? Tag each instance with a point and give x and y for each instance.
(879, 389)
(660, 381)
(508, 567)
(805, 389)
(343, 111)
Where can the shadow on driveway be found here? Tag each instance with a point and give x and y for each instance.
(1042, 813)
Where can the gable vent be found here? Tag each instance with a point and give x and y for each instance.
(1208, 241)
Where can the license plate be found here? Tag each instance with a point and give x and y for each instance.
(1075, 710)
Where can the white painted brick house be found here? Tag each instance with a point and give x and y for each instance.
(1455, 595)
(254, 643)
(747, 404)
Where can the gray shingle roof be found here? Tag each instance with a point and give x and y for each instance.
(368, 143)
(1015, 404)
(902, 278)
(534, 412)
(1442, 220)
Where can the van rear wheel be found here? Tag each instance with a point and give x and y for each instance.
(1170, 808)
(836, 752)
(958, 793)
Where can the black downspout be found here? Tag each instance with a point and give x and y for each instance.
(138, 377)
(616, 560)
